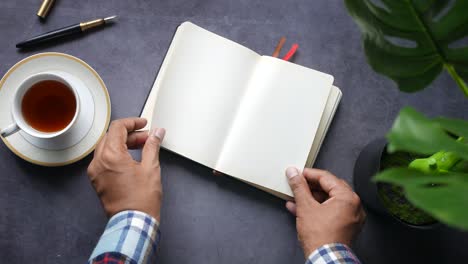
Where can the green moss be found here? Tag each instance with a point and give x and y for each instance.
(393, 197)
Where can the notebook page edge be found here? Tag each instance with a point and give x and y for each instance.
(313, 154)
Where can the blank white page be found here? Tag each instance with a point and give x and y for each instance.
(276, 123)
(199, 87)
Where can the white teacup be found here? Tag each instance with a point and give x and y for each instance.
(19, 122)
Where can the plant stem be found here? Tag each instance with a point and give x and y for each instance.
(457, 78)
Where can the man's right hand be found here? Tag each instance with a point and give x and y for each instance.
(326, 209)
(121, 182)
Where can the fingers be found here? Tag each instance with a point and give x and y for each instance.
(317, 192)
(217, 173)
(150, 154)
(137, 139)
(119, 129)
(299, 186)
(291, 206)
(328, 182)
(319, 196)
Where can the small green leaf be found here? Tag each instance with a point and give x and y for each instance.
(408, 40)
(455, 126)
(444, 196)
(415, 133)
(461, 166)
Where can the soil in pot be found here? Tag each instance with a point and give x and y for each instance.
(392, 196)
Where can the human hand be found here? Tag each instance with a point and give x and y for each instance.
(217, 173)
(327, 210)
(121, 182)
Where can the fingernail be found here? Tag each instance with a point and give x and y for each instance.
(159, 133)
(291, 172)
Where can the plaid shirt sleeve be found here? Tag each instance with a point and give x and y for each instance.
(129, 237)
(335, 253)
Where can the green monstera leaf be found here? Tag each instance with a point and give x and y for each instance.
(411, 41)
(415, 133)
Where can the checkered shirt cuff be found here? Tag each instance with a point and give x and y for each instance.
(133, 234)
(334, 253)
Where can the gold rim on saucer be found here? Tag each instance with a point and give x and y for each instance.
(103, 87)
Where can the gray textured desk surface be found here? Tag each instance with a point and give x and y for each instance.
(52, 215)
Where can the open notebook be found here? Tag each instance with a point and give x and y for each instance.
(245, 115)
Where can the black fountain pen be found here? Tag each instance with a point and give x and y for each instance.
(66, 31)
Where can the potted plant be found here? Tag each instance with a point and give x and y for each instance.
(421, 168)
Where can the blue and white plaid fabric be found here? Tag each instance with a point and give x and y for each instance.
(131, 233)
(334, 253)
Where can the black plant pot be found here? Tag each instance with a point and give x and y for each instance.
(367, 165)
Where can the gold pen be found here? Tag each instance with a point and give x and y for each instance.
(45, 8)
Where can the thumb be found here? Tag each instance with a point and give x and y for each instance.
(299, 186)
(150, 154)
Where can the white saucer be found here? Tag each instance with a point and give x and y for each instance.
(91, 124)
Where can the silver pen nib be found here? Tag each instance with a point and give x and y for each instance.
(109, 19)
